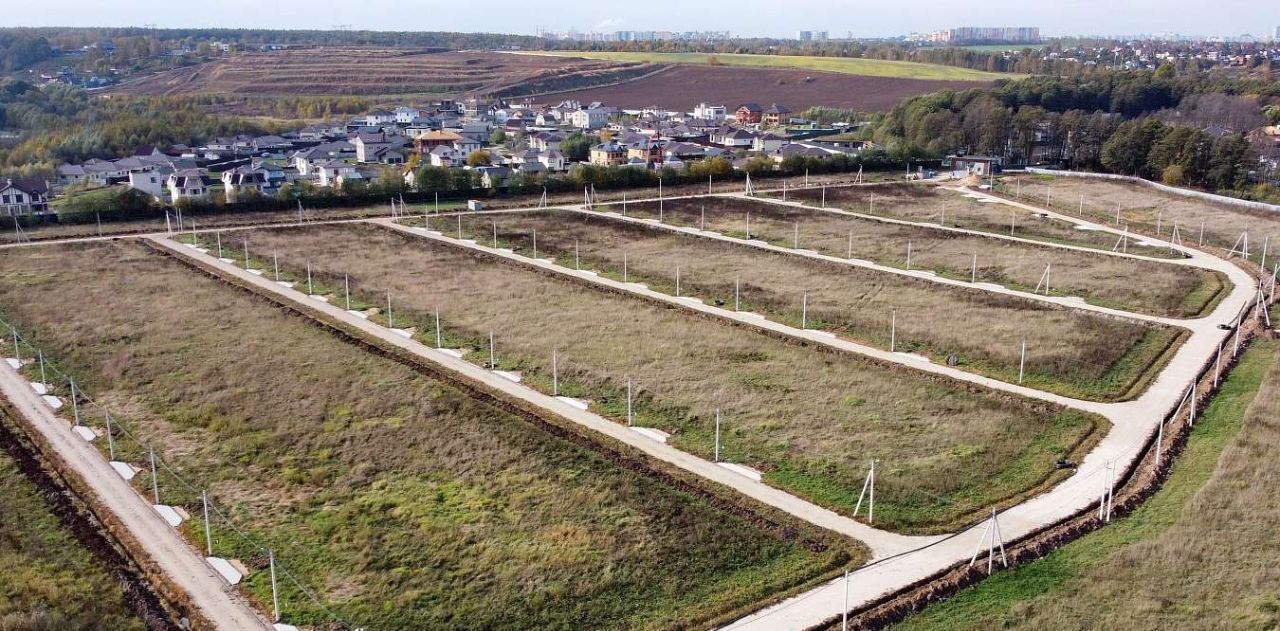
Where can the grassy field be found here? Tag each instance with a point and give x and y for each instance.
(845, 65)
(1075, 353)
(51, 581)
(1150, 211)
(1199, 554)
(403, 501)
(922, 202)
(1169, 290)
(808, 418)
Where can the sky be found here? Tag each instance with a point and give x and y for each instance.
(861, 18)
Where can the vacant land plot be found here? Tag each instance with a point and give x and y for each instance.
(1165, 290)
(1150, 211)
(843, 65)
(922, 202)
(1075, 353)
(387, 72)
(1197, 555)
(50, 580)
(684, 86)
(404, 502)
(809, 418)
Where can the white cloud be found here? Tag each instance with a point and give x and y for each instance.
(608, 23)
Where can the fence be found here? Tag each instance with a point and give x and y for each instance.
(1210, 197)
(126, 445)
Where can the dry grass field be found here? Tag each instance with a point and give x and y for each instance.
(403, 501)
(1167, 290)
(809, 418)
(1150, 211)
(1199, 554)
(1071, 352)
(923, 202)
(389, 72)
(51, 581)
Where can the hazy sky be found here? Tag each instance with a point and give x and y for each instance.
(864, 18)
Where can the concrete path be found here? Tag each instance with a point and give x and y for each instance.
(899, 560)
(881, 543)
(209, 593)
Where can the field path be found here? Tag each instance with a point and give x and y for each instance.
(898, 560)
(162, 544)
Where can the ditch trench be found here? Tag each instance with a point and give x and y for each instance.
(88, 530)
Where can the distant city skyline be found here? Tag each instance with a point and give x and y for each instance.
(742, 18)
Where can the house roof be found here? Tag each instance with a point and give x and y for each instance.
(30, 186)
(777, 109)
(447, 136)
(751, 107)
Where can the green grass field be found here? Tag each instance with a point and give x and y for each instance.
(845, 65)
(1198, 555)
(51, 582)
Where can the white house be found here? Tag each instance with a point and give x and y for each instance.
(446, 156)
(24, 196)
(553, 160)
(379, 117)
(149, 182)
(328, 172)
(590, 118)
(406, 115)
(187, 184)
(714, 113)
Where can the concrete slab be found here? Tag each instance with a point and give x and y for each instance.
(14, 363)
(405, 333)
(169, 514)
(587, 272)
(232, 261)
(126, 470)
(285, 283)
(581, 404)
(280, 626)
(453, 352)
(224, 569)
(52, 401)
(359, 314)
(84, 432)
(40, 388)
(256, 272)
(319, 297)
(913, 356)
(742, 470)
(508, 375)
(651, 433)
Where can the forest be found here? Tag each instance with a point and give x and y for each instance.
(1149, 124)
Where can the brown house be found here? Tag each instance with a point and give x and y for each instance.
(749, 113)
(775, 116)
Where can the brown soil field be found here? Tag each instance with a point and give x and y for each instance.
(1150, 211)
(925, 202)
(1074, 353)
(1167, 290)
(809, 418)
(684, 86)
(403, 500)
(382, 72)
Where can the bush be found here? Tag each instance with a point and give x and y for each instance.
(108, 204)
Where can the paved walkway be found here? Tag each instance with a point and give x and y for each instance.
(162, 544)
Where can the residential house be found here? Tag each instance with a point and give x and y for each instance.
(187, 184)
(477, 131)
(425, 142)
(270, 144)
(801, 149)
(978, 165)
(682, 152)
(378, 118)
(150, 182)
(329, 172)
(378, 148)
(768, 142)
(406, 115)
(546, 140)
(714, 113)
(775, 116)
(24, 196)
(589, 118)
(446, 156)
(493, 176)
(608, 154)
(553, 160)
(243, 182)
(645, 151)
(749, 114)
(733, 138)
